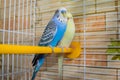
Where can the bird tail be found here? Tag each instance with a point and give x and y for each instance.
(37, 67)
(34, 75)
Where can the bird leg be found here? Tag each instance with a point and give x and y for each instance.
(52, 48)
(60, 63)
(62, 49)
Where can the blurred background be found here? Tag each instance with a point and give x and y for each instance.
(97, 30)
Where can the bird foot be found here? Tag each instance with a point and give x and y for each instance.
(52, 49)
(62, 48)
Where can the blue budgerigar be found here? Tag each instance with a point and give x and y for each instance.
(51, 36)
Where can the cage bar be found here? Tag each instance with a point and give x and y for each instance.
(17, 49)
(97, 22)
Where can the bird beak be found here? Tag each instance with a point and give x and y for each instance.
(69, 15)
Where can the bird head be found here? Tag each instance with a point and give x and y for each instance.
(60, 15)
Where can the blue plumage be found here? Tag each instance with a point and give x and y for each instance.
(52, 35)
(37, 67)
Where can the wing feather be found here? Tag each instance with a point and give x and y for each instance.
(47, 37)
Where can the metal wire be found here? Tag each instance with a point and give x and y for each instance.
(84, 21)
(15, 30)
(97, 21)
(3, 38)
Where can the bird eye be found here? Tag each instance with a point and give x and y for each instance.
(63, 11)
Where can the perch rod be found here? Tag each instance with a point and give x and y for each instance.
(23, 49)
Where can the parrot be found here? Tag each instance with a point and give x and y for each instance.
(51, 36)
(66, 40)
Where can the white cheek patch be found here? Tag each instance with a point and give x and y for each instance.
(60, 19)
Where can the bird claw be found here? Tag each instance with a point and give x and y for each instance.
(62, 49)
(52, 48)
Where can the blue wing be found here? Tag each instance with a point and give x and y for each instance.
(47, 36)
